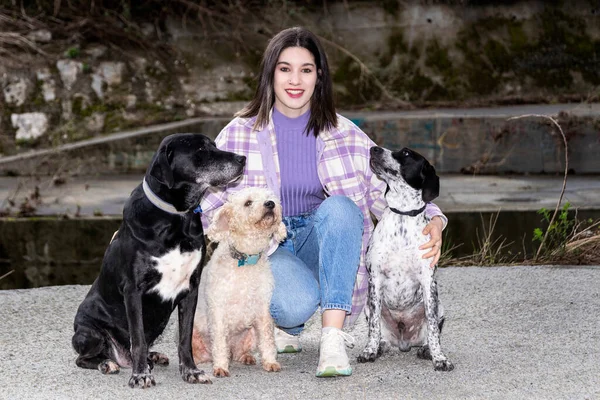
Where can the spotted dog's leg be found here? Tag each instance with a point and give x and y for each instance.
(430, 297)
(424, 352)
(372, 349)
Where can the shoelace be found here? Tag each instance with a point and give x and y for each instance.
(334, 335)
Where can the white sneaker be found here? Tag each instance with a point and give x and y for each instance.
(287, 343)
(333, 360)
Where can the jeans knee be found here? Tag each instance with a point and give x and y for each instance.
(342, 210)
(296, 308)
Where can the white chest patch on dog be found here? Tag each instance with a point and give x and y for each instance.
(176, 268)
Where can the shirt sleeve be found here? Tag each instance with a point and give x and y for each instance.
(215, 197)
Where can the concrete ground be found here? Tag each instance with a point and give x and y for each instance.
(106, 194)
(512, 333)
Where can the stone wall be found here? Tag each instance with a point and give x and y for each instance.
(384, 55)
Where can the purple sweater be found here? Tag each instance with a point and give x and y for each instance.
(301, 189)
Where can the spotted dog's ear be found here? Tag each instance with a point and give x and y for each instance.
(281, 232)
(219, 227)
(161, 168)
(431, 182)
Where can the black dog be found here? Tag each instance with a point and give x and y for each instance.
(153, 264)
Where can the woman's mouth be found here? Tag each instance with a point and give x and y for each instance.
(294, 93)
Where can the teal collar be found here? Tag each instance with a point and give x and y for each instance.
(243, 258)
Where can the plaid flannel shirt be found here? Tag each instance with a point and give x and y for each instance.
(343, 169)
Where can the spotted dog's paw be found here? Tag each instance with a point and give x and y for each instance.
(141, 380)
(109, 367)
(443, 365)
(194, 375)
(368, 356)
(424, 353)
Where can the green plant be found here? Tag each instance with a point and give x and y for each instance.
(72, 52)
(559, 232)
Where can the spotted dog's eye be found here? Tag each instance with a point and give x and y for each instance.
(248, 203)
(405, 153)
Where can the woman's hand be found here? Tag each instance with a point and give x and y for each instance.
(434, 229)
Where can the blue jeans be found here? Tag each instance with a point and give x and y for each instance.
(317, 264)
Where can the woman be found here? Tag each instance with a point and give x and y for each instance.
(318, 162)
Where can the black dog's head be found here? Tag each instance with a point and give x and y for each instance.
(192, 160)
(406, 166)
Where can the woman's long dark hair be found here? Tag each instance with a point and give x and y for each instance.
(322, 109)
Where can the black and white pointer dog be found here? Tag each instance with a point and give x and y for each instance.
(153, 264)
(403, 306)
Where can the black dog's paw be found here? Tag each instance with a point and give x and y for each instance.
(424, 353)
(141, 380)
(158, 358)
(443, 365)
(368, 356)
(109, 367)
(194, 375)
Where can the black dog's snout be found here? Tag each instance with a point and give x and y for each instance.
(376, 150)
(270, 204)
(240, 159)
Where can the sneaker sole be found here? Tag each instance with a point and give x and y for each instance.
(332, 371)
(289, 349)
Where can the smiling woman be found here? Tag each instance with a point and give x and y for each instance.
(317, 162)
(294, 81)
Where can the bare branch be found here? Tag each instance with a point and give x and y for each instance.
(562, 192)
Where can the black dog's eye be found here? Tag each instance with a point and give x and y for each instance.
(405, 153)
(248, 203)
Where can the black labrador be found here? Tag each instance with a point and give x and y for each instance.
(153, 264)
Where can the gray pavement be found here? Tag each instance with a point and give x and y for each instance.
(512, 333)
(107, 194)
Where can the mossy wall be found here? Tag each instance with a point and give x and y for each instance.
(384, 55)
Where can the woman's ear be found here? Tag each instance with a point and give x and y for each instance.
(218, 229)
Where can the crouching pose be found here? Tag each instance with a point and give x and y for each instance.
(232, 316)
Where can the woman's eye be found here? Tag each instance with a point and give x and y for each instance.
(307, 70)
(248, 203)
(284, 69)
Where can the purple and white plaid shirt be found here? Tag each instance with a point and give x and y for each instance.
(343, 169)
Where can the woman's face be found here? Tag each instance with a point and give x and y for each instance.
(294, 81)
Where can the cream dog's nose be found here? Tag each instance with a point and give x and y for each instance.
(270, 204)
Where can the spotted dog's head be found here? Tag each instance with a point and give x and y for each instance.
(192, 161)
(405, 168)
(248, 221)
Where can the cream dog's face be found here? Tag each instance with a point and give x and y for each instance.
(249, 219)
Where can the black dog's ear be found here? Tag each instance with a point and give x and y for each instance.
(431, 182)
(161, 168)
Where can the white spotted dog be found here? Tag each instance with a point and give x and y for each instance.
(403, 306)
(232, 316)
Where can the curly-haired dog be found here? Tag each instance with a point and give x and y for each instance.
(404, 309)
(232, 316)
(153, 264)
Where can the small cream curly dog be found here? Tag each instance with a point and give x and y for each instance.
(232, 315)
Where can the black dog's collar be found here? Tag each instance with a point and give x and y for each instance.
(411, 213)
(243, 258)
(163, 205)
